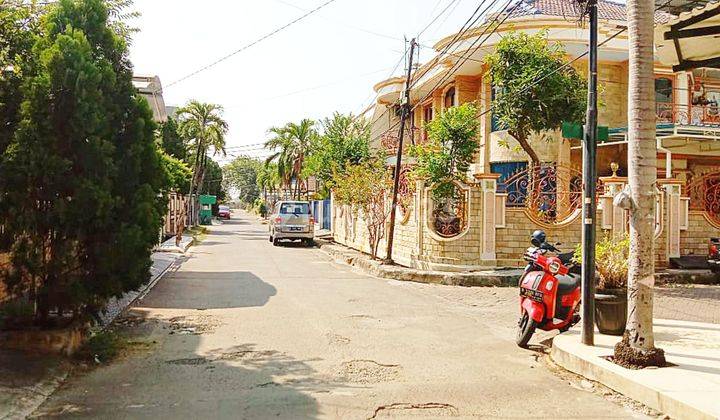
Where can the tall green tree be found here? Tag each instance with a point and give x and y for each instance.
(17, 25)
(268, 180)
(290, 146)
(82, 172)
(177, 172)
(345, 140)
(203, 126)
(448, 153)
(214, 184)
(242, 175)
(524, 106)
(171, 141)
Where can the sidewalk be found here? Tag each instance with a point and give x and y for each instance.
(27, 380)
(689, 390)
(345, 255)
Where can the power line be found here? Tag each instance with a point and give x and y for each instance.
(436, 16)
(245, 47)
(344, 24)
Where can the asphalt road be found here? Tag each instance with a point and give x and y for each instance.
(247, 330)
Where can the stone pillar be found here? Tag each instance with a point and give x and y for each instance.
(613, 218)
(563, 178)
(419, 217)
(466, 88)
(488, 187)
(482, 158)
(672, 220)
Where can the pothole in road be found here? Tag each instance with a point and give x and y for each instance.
(432, 410)
(192, 361)
(337, 339)
(368, 371)
(245, 355)
(193, 325)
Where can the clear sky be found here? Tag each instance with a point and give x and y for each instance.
(327, 62)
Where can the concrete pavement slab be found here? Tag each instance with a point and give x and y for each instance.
(688, 390)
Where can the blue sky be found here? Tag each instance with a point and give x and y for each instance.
(326, 62)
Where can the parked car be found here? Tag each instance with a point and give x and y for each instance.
(714, 255)
(292, 220)
(224, 212)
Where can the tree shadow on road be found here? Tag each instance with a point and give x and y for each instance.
(172, 376)
(209, 290)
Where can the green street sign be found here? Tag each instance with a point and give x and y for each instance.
(575, 131)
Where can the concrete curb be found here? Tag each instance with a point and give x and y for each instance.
(679, 276)
(342, 254)
(635, 384)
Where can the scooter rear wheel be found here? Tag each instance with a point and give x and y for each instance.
(526, 328)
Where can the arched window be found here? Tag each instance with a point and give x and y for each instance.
(450, 98)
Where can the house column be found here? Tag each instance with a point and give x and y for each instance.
(672, 222)
(482, 158)
(488, 187)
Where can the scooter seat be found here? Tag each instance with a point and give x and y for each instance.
(568, 283)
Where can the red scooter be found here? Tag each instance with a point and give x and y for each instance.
(549, 292)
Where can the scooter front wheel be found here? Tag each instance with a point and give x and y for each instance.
(526, 328)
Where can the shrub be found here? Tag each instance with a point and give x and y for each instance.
(611, 261)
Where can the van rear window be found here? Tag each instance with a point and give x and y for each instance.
(294, 208)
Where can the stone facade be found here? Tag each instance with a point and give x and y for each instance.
(497, 236)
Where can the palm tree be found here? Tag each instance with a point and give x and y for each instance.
(291, 145)
(642, 176)
(202, 124)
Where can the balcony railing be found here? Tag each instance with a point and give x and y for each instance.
(390, 140)
(668, 113)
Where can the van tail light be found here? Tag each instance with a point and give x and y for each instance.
(312, 220)
(278, 220)
(713, 249)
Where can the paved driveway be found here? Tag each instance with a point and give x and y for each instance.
(247, 330)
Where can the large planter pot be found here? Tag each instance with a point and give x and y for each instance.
(611, 311)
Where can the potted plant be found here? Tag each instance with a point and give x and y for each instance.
(611, 259)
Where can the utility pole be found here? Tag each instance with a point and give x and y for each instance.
(404, 111)
(589, 174)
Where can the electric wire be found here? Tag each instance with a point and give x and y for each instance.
(253, 43)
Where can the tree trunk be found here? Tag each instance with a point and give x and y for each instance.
(525, 144)
(642, 175)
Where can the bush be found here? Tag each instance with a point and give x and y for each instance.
(611, 261)
(101, 347)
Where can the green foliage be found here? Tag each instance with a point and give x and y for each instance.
(177, 172)
(260, 207)
(345, 141)
(16, 27)
(290, 146)
(268, 178)
(204, 127)
(523, 105)
(101, 347)
(213, 182)
(171, 141)
(611, 261)
(242, 175)
(82, 172)
(448, 153)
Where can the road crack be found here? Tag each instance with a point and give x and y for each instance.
(438, 409)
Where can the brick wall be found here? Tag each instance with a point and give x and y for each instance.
(514, 238)
(694, 240)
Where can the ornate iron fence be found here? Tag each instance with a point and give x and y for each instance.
(704, 192)
(550, 193)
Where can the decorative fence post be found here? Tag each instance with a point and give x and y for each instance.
(488, 188)
(672, 190)
(614, 218)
